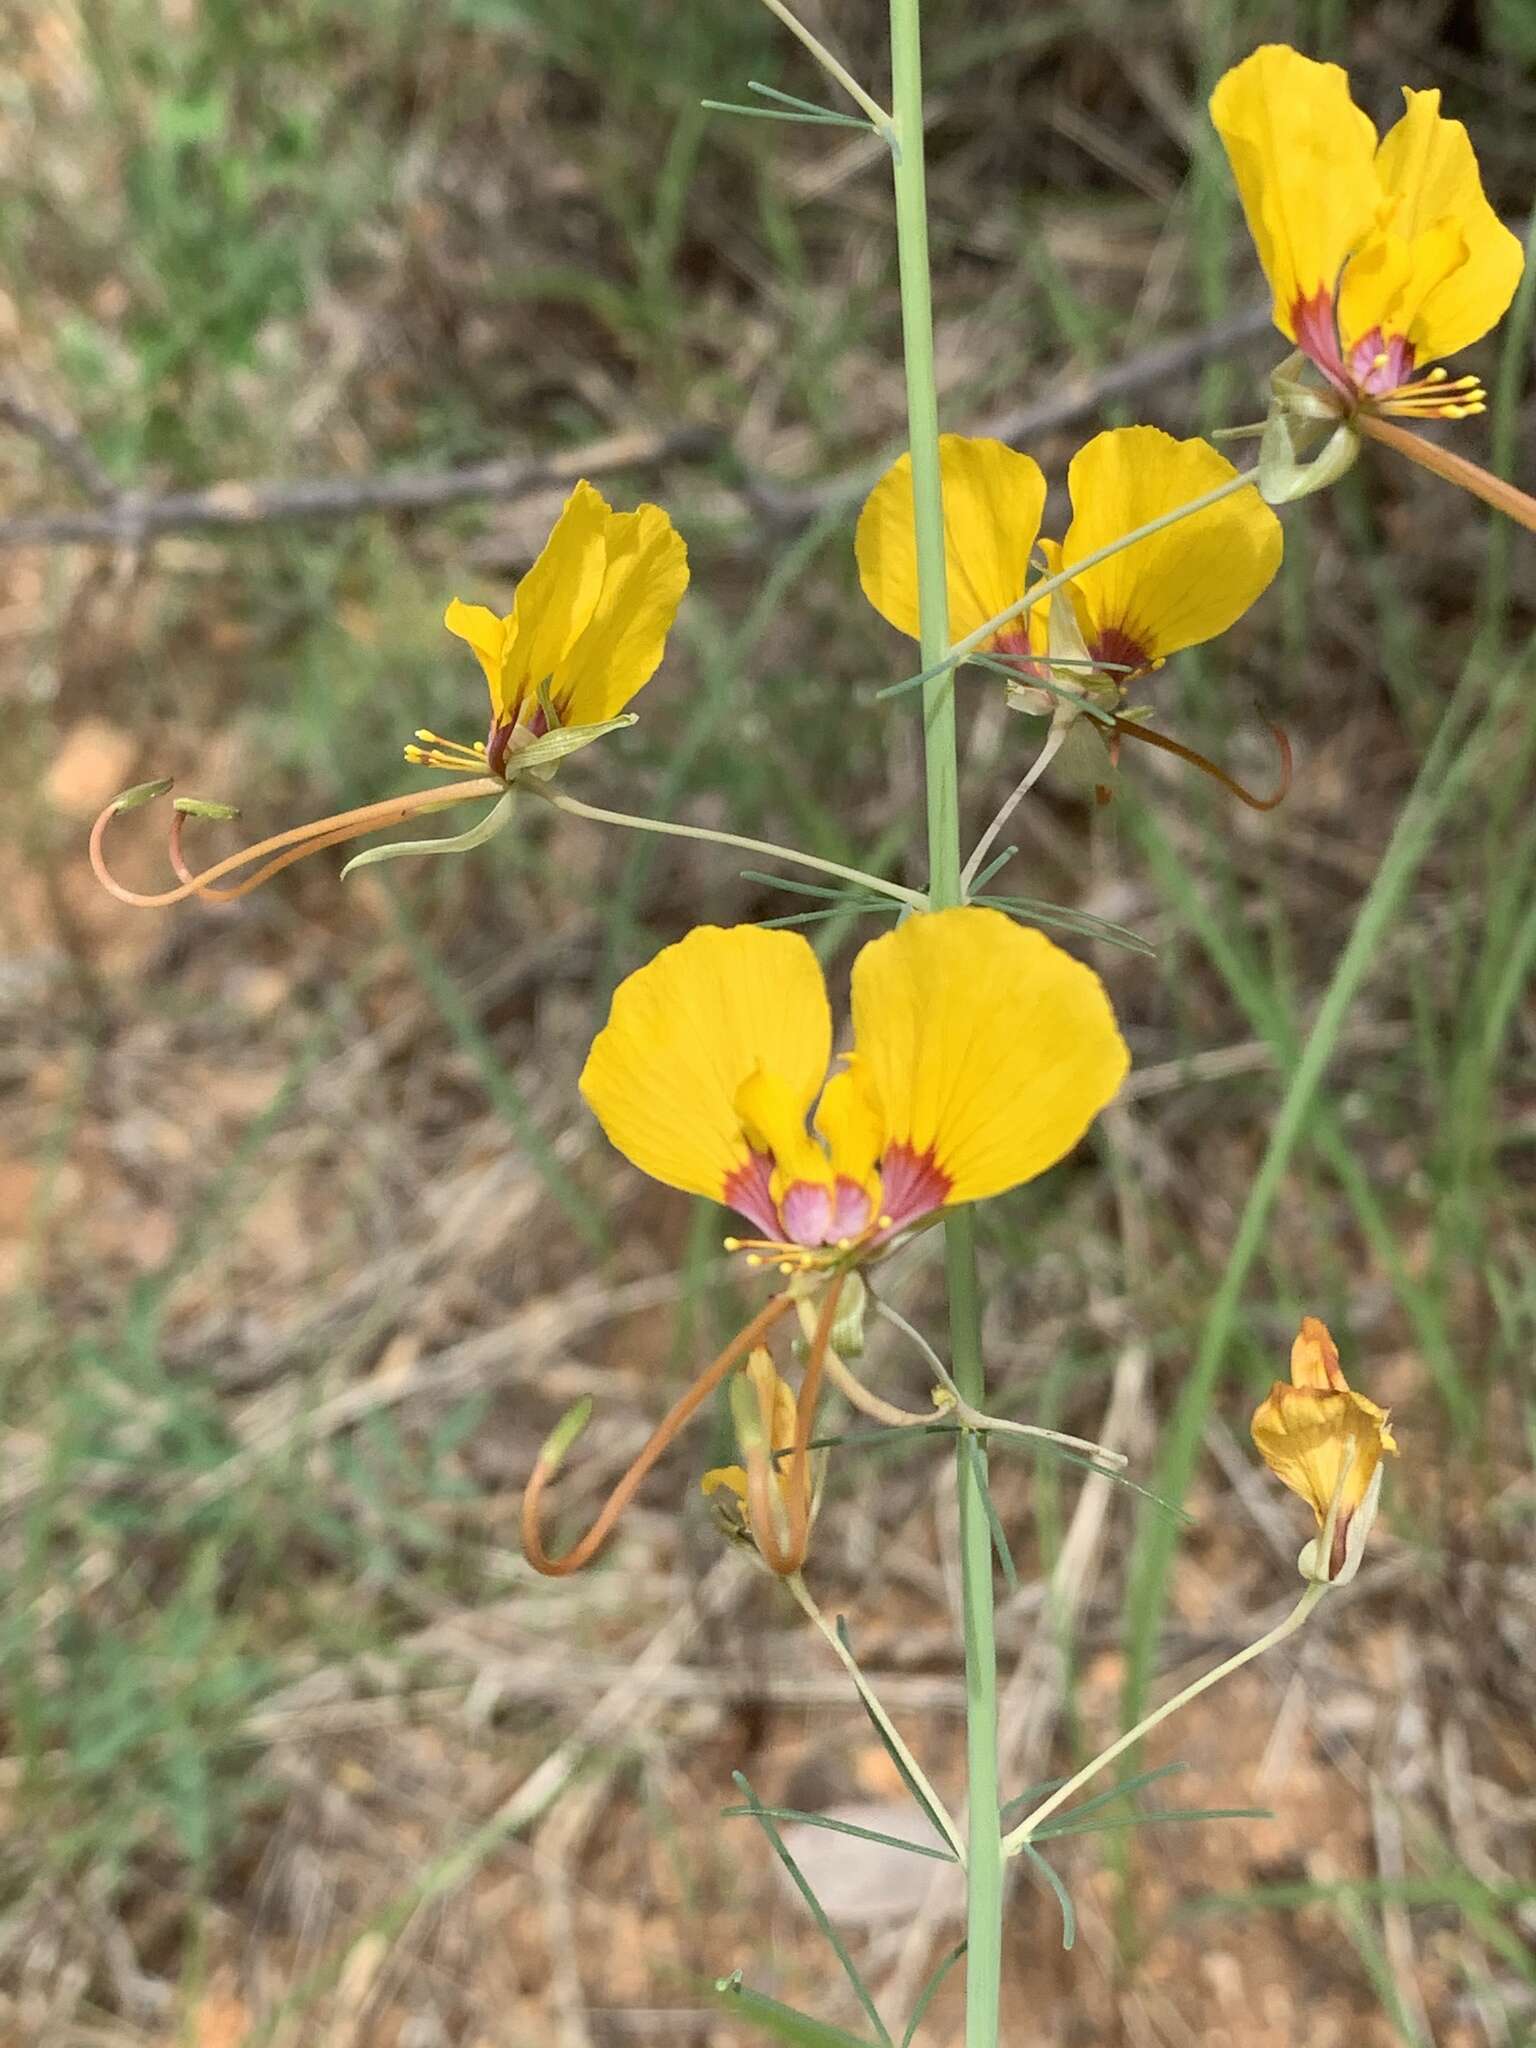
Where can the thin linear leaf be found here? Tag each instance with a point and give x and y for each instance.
(796, 886)
(1067, 1457)
(818, 1911)
(1081, 922)
(929, 1991)
(782, 2021)
(866, 1701)
(868, 908)
(818, 120)
(1068, 1912)
(1136, 1783)
(789, 99)
(1154, 1818)
(840, 1827)
(972, 1451)
(883, 1435)
(1000, 860)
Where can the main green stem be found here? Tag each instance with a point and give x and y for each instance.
(984, 1909)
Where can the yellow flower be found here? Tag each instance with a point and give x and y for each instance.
(764, 1407)
(981, 1054)
(587, 630)
(1383, 256)
(1326, 1443)
(1154, 598)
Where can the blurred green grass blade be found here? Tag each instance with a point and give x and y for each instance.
(505, 1097)
(797, 2029)
(930, 1991)
(839, 1827)
(817, 1910)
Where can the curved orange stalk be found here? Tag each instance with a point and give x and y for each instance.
(1456, 469)
(624, 1492)
(1132, 730)
(297, 843)
(787, 1561)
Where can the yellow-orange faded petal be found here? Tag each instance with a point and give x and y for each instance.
(1192, 580)
(484, 632)
(554, 603)
(1429, 172)
(1307, 1438)
(987, 1048)
(1315, 1359)
(686, 1030)
(1302, 154)
(645, 575)
(993, 499)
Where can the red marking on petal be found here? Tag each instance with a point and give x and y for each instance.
(911, 1185)
(1114, 644)
(747, 1191)
(1317, 335)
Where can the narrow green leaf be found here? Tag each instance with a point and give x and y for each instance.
(1154, 1818)
(817, 1910)
(1126, 1786)
(817, 120)
(972, 1450)
(1068, 1913)
(782, 2021)
(840, 1827)
(789, 99)
(916, 1790)
(795, 886)
(929, 1992)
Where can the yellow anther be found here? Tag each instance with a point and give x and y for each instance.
(887, 1222)
(1438, 374)
(754, 1259)
(731, 1244)
(1379, 362)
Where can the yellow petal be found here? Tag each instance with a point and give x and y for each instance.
(993, 499)
(1428, 170)
(1302, 155)
(1306, 1436)
(987, 1047)
(686, 1030)
(772, 1114)
(1192, 580)
(485, 633)
(725, 1478)
(848, 1117)
(645, 575)
(1315, 1359)
(775, 1406)
(555, 601)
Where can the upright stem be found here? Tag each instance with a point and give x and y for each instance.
(984, 1911)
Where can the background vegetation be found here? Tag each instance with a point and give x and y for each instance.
(308, 1238)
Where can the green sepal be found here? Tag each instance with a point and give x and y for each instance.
(141, 793)
(542, 756)
(1291, 465)
(495, 820)
(203, 807)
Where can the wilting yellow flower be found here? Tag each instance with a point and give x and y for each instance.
(1173, 590)
(1383, 256)
(764, 1406)
(1325, 1442)
(587, 630)
(981, 1054)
